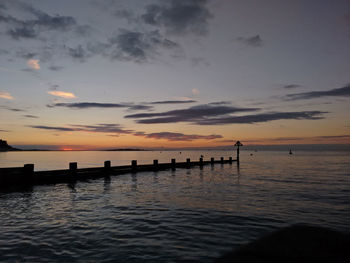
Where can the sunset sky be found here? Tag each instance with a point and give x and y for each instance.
(90, 74)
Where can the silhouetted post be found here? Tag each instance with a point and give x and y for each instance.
(188, 162)
(73, 168)
(201, 161)
(134, 165)
(212, 161)
(238, 144)
(230, 160)
(222, 159)
(28, 173)
(107, 166)
(155, 164)
(173, 164)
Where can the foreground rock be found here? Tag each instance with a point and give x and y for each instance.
(298, 243)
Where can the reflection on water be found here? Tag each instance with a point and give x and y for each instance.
(191, 215)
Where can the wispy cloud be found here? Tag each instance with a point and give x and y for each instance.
(220, 114)
(62, 94)
(193, 114)
(179, 17)
(41, 21)
(291, 86)
(11, 109)
(88, 105)
(263, 117)
(173, 102)
(139, 46)
(314, 139)
(253, 41)
(31, 116)
(5, 95)
(55, 68)
(172, 136)
(99, 128)
(33, 64)
(339, 92)
(116, 130)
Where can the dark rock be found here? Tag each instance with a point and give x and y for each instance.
(5, 147)
(298, 243)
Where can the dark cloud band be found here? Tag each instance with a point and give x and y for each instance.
(116, 130)
(339, 92)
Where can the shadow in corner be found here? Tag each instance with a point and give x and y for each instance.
(297, 243)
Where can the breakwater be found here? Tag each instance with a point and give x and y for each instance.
(27, 176)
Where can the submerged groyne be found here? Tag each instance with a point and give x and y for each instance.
(27, 176)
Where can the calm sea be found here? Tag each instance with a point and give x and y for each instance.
(187, 215)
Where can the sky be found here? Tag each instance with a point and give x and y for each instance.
(95, 74)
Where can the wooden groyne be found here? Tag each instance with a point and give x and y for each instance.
(27, 176)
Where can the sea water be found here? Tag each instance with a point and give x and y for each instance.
(185, 215)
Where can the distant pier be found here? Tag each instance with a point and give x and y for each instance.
(26, 176)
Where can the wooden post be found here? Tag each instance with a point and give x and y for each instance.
(134, 165)
(155, 165)
(230, 160)
(212, 161)
(107, 165)
(188, 162)
(73, 167)
(222, 159)
(201, 161)
(28, 173)
(173, 164)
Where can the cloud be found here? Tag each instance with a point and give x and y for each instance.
(210, 114)
(99, 128)
(30, 116)
(43, 127)
(291, 86)
(173, 102)
(5, 95)
(179, 17)
(78, 53)
(42, 21)
(88, 105)
(1, 130)
(220, 103)
(192, 114)
(26, 54)
(116, 129)
(3, 52)
(55, 68)
(125, 14)
(254, 41)
(263, 117)
(62, 94)
(171, 136)
(22, 32)
(313, 139)
(195, 91)
(339, 92)
(138, 46)
(33, 64)
(11, 109)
